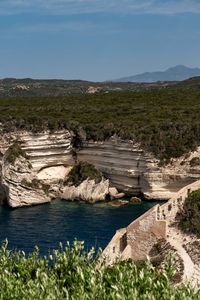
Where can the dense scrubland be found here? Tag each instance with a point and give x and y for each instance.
(72, 273)
(189, 217)
(165, 122)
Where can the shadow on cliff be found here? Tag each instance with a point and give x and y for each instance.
(4, 191)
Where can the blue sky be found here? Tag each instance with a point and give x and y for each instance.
(96, 39)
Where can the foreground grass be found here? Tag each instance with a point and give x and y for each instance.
(71, 273)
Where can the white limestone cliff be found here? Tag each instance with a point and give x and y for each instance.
(88, 191)
(129, 168)
(49, 155)
(133, 170)
(17, 180)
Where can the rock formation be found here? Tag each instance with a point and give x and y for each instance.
(88, 191)
(46, 162)
(19, 180)
(133, 170)
(130, 169)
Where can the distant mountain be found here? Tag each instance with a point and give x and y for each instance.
(27, 87)
(176, 73)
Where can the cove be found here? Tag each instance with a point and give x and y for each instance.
(61, 221)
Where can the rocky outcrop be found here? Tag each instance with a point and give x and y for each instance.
(114, 194)
(88, 191)
(47, 161)
(19, 182)
(130, 169)
(133, 170)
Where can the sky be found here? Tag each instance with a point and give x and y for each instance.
(97, 39)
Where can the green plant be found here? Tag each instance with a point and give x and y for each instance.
(14, 152)
(71, 273)
(164, 122)
(195, 161)
(36, 184)
(81, 172)
(190, 215)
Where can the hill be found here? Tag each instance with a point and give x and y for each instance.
(176, 73)
(12, 87)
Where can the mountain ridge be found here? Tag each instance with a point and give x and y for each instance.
(177, 73)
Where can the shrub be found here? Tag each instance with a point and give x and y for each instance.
(36, 184)
(190, 216)
(195, 161)
(14, 152)
(81, 172)
(72, 273)
(165, 122)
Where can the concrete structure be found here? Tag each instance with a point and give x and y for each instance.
(135, 241)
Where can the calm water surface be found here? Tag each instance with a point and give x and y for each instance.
(61, 221)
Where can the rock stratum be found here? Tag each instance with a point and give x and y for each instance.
(35, 171)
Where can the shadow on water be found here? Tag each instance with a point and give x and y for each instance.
(61, 221)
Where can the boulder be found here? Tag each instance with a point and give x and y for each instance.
(119, 195)
(87, 191)
(118, 203)
(114, 194)
(135, 200)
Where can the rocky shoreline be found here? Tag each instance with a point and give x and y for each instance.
(35, 166)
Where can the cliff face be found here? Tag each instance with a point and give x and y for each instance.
(128, 167)
(18, 179)
(48, 160)
(133, 170)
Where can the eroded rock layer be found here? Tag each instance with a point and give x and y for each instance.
(48, 149)
(133, 170)
(129, 168)
(122, 162)
(48, 159)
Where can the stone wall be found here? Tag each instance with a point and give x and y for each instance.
(169, 210)
(139, 237)
(136, 240)
(144, 232)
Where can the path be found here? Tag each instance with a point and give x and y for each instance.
(191, 271)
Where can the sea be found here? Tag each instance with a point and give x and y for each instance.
(60, 221)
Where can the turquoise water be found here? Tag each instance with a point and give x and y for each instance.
(61, 221)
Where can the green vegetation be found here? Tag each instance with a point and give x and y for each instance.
(190, 216)
(165, 122)
(71, 273)
(195, 161)
(81, 172)
(36, 184)
(14, 152)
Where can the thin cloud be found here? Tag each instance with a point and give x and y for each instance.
(64, 7)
